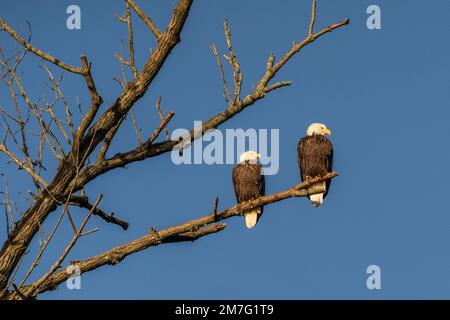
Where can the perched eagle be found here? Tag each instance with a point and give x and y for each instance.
(315, 157)
(248, 182)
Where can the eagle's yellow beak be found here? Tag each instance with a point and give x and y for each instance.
(326, 131)
(258, 155)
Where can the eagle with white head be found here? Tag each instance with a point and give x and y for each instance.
(315, 158)
(248, 182)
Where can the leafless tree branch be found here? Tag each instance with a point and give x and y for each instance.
(38, 52)
(83, 202)
(145, 18)
(187, 231)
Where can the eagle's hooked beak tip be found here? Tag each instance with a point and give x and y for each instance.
(327, 131)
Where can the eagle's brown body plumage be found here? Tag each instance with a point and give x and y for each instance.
(248, 182)
(315, 157)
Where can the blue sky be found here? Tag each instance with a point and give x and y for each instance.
(384, 94)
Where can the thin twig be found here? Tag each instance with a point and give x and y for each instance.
(227, 94)
(161, 116)
(145, 18)
(38, 52)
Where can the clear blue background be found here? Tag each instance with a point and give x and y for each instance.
(384, 94)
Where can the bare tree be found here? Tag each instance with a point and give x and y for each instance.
(80, 149)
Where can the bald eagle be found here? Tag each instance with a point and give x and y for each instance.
(315, 157)
(248, 182)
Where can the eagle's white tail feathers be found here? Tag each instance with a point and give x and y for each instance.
(317, 199)
(251, 217)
